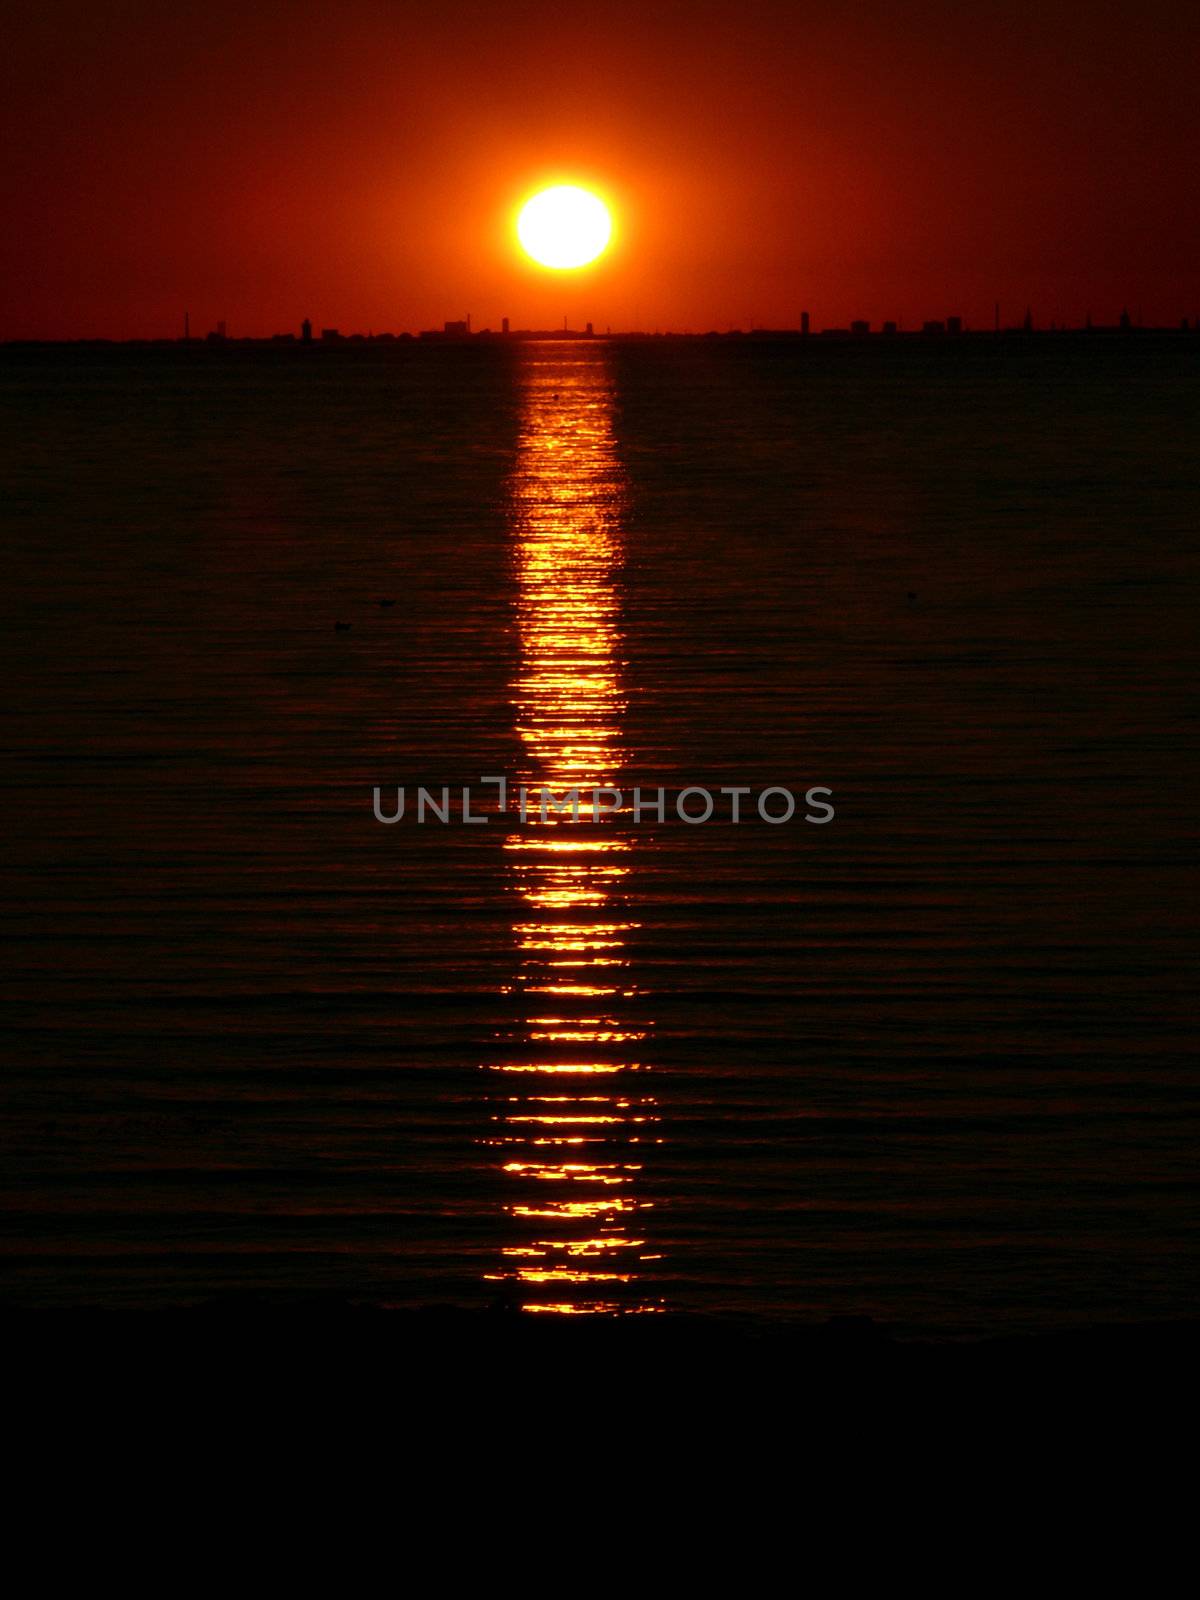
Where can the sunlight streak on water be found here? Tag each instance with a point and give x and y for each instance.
(569, 700)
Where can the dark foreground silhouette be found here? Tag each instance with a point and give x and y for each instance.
(444, 1339)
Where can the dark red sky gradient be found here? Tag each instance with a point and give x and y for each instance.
(360, 162)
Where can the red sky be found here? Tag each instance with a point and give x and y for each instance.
(360, 162)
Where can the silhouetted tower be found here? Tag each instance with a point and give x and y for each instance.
(1028, 324)
(804, 322)
(306, 331)
(1125, 324)
(503, 324)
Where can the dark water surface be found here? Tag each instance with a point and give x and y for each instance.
(929, 1062)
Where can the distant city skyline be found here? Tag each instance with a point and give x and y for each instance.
(805, 326)
(201, 325)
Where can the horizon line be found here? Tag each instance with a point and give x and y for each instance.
(460, 332)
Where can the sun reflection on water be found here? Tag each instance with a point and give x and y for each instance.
(574, 1156)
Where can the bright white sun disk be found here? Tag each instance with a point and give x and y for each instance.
(564, 226)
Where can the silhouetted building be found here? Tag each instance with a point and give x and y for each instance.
(590, 330)
(860, 328)
(953, 324)
(933, 328)
(804, 325)
(1125, 322)
(330, 335)
(306, 331)
(1028, 323)
(504, 325)
(456, 330)
(889, 328)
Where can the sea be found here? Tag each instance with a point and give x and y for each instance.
(920, 1050)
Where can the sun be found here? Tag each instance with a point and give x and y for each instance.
(564, 227)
